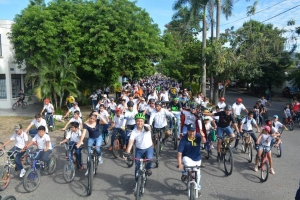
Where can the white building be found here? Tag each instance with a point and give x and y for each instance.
(11, 77)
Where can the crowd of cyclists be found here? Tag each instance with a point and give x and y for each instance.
(153, 104)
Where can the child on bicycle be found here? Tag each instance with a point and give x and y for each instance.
(264, 142)
(209, 128)
(74, 136)
(287, 113)
(21, 97)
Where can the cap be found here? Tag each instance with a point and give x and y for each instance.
(206, 111)
(118, 110)
(191, 127)
(275, 116)
(104, 95)
(267, 128)
(18, 127)
(75, 103)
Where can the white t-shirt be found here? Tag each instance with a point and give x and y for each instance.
(277, 125)
(104, 114)
(72, 110)
(238, 108)
(204, 103)
(119, 121)
(94, 97)
(20, 139)
(263, 101)
(73, 136)
(41, 141)
(49, 108)
(221, 105)
(215, 117)
(160, 118)
(143, 140)
(152, 96)
(208, 127)
(79, 120)
(143, 106)
(149, 109)
(129, 117)
(198, 100)
(189, 118)
(247, 126)
(41, 123)
(112, 106)
(122, 107)
(164, 96)
(266, 140)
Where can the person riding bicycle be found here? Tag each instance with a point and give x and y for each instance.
(237, 108)
(21, 97)
(264, 101)
(188, 117)
(21, 139)
(92, 126)
(247, 124)
(223, 126)
(295, 109)
(184, 100)
(104, 124)
(142, 105)
(70, 100)
(142, 137)
(112, 106)
(50, 111)
(73, 109)
(221, 104)
(117, 125)
(149, 109)
(176, 108)
(189, 152)
(275, 134)
(276, 124)
(94, 98)
(159, 118)
(75, 118)
(43, 142)
(38, 121)
(287, 113)
(74, 136)
(264, 142)
(129, 121)
(173, 91)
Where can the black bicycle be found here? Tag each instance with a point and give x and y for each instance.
(175, 134)
(47, 118)
(141, 175)
(92, 165)
(158, 143)
(23, 104)
(226, 154)
(247, 144)
(69, 167)
(10, 197)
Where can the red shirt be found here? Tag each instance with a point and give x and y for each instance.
(295, 106)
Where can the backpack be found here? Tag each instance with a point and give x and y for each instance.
(252, 120)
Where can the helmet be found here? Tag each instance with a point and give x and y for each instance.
(176, 99)
(222, 99)
(140, 116)
(239, 100)
(158, 103)
(193, 106)
(130, 104)
(151, 100)
(46, 101)
(228, 107)
(111, 99)
(267, 128)
(275, 116)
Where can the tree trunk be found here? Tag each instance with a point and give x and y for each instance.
(218, 19)
(203, 53)
(212, 39)
(216, 92)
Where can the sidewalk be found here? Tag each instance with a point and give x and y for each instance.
(31, 110)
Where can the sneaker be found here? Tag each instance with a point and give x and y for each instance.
(149, 172)
(22, 173)
(272, 171)
(87, 172)
(51, 126)
(255, 168)
(100, 160)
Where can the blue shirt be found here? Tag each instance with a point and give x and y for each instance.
(93, 132)
(189, 148)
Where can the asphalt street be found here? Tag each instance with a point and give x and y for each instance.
(116, 181)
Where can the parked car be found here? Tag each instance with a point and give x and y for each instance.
(289, 92)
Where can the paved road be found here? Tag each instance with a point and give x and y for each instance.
(116, 181)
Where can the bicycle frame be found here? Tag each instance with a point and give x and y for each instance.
(192, 180)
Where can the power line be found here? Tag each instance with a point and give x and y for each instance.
(253, 14)
(281, 13)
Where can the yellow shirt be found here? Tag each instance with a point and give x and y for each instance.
(118, 89)
(70, 99)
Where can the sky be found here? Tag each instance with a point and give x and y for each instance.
(161, 12)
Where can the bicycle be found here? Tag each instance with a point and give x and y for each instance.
(157, 142)
(247, 144)
(69, 167)
(207, 145)
(290, 124)
(92, 165)
(33, 175)
(118, 145)
(5, 173)
(297, 118)
(47, 118)
(191, 181)
(264, 165)
(105, 137)
(278, 146)
(141, 175)
(23, 104)
(175, 134)
(226, 154)
(10, 197)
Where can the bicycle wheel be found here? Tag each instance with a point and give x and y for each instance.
(1, 151)
(90, 178)
(106, 138)
(157, 151)
(69, 171)
(138, 188)
(291, 126)
(95, 162)
(32, 180)
(129, 161)
(53, 125)
(175, 137)
(24, 105)
(52, 164)
(228, 161)
(116, 147)
(5, 178)
(192, 192)
(15, 105)
(249, 152)
(265, 168)
(244, 145)
(10, 197)
(279, 150)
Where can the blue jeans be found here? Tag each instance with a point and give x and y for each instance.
(139, 153)
(104, 128)
(123, 135)
(43, 155)
(77, 152)
(94, 103)
(18, 156)
(50, 117)
(177, 116)
(227, 130)
(98, 142)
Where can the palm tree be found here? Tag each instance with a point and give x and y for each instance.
(197, 7)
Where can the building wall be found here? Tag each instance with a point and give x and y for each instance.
(14, 77)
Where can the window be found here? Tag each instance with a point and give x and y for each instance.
(0, 47)
(15, 84)
(2, 87)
